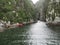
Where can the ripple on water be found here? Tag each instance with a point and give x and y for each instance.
(34, 34)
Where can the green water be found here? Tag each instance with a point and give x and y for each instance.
(34, 34)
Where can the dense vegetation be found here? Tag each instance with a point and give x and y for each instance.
(53, 10)
(25, 10)
(48, 9)
(17, 10)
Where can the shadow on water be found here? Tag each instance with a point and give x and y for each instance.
(35, 34)
(55, 28)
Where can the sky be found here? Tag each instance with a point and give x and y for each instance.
(34, 1)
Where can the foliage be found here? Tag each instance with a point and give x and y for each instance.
(54, 9)
(16, 10)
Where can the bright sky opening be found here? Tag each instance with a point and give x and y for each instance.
(34, 1)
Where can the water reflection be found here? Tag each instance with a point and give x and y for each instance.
(40, 34)
(34, 34)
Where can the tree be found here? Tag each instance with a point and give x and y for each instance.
(16, 10)
(53, 9)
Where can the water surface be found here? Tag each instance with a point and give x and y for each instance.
(35, 34)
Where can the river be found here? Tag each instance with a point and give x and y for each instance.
(34, 34)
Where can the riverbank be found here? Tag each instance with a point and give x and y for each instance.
(56, 22)
(53, 23)
(14, 25)
(20, 24)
